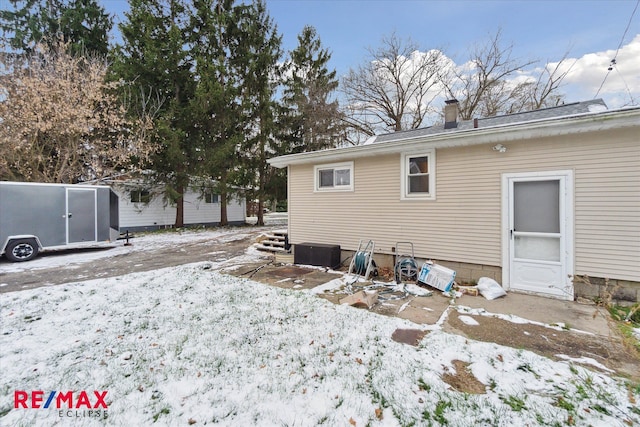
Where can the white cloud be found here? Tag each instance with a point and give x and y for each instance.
(584, 77)
(622, 84)
(586, 73)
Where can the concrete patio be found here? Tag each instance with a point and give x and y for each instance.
(582, 333)
(427, 310)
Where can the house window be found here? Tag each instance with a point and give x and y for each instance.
(140, 196)
(418, 176)
(334, 177)
(211, 198)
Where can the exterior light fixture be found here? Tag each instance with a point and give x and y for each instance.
(500, 148)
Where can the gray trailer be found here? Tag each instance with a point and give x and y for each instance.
(36, 217)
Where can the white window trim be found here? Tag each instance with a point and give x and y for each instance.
(213, 196)
(140, 196)
(344, 165)
(404, 163)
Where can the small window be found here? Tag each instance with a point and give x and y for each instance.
(211, 198)
(140, 196)
(335, 177)
(418, 176)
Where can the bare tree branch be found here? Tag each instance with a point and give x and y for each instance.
(393, 91)
(482, 86)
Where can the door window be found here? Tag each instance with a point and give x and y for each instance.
(537, 206)
(536, 220)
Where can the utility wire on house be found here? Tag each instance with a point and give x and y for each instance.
(613, 62)
(625, 85)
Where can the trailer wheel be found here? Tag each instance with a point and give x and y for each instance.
(21, 250)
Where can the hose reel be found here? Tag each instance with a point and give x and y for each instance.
(362, 263)
(405, 268)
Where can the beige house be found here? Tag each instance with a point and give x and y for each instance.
(532, 200)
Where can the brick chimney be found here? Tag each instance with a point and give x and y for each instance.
(451, 114)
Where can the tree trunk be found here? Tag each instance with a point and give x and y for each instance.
(261, 180)
(224, 196)
(224, 220)
(179, 207)
(260, 211)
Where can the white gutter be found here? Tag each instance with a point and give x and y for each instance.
(490, 135)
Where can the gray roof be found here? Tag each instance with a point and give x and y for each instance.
(565, 110)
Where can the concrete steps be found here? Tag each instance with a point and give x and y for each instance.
(275, 242)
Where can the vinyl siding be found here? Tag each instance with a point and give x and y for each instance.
(154, 213)
(196, 211)
(464, 222)
(159, 213)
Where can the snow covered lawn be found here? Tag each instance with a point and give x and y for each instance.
(188, 345)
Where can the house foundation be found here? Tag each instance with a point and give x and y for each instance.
(620, 292)
(465, 272)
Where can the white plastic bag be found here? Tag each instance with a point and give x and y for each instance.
(490, 289)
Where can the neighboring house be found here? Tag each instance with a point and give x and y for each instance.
(143, 207)
(529, 199)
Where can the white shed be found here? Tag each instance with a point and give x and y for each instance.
(143, 207)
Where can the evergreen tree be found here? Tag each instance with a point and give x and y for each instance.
(258, 49)
(82, 24)
(313, 118)
(154, 56)
(215, 106)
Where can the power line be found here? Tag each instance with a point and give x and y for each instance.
(613, 63)
(625, 85)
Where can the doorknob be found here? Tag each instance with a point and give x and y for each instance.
(69, 215)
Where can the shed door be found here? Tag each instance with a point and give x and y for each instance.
(81, 215)
(540, 258)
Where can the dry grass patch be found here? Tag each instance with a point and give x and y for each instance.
(463, 379)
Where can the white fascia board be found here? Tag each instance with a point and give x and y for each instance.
(497, 134)
(52, 184)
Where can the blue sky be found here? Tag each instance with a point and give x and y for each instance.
(538, 29)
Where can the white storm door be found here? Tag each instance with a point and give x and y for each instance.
(540, 233)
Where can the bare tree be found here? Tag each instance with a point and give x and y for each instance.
(394, 90)
(60, 120)
(493, 82)
(482, 85)
(544, 91)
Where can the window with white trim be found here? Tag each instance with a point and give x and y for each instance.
(140, 196)
(210, 197)
(418, 175)
(334, 177)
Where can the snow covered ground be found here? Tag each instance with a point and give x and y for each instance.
(188, 345)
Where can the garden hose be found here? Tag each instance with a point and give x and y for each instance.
(361, 261)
